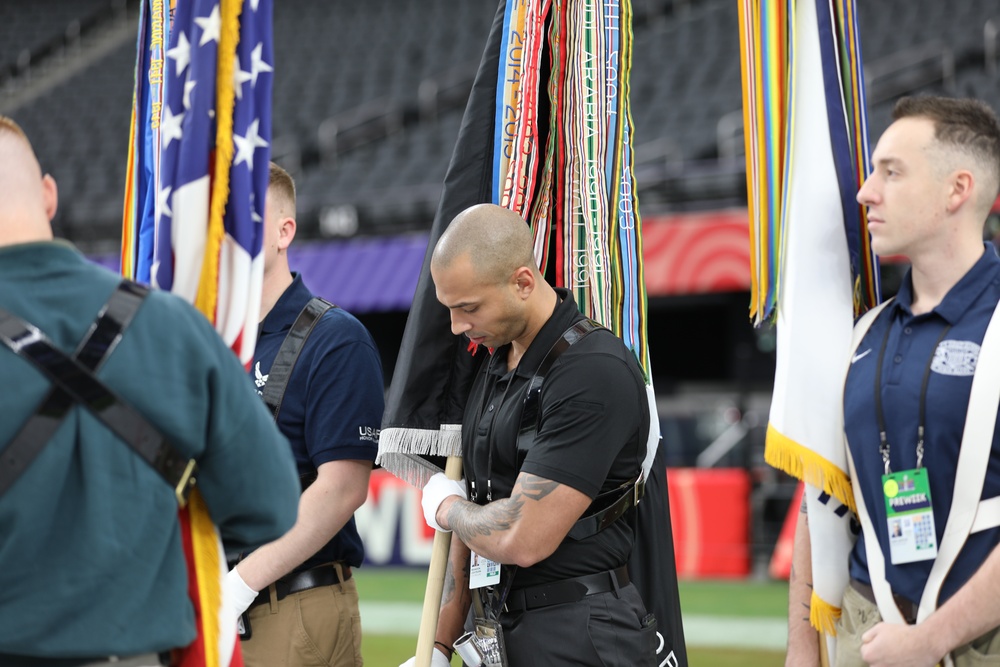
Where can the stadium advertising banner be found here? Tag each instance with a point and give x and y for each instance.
(709, 510)
(391, 523)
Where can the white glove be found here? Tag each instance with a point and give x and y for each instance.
(438, 658)
(236, 594)
(236, 597)
(436, 490)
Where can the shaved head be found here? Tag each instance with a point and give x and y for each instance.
(27, 198)
(19, 161)
(7, 125)
(495, 239)
(485, 274)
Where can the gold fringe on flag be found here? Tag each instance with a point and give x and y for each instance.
(207, 565)
(229, 37)
(204, 536)
(823, 616)
(803, 463)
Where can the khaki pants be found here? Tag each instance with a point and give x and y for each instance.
(320, 627)
(858, 615)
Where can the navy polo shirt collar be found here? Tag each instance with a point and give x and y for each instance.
(963, 294)
(564, 315)
(287, 307)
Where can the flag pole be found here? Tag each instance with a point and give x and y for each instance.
(435, 579)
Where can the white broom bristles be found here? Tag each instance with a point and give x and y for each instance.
(400, 451)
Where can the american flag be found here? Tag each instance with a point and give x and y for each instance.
(215, 134)
(214, 149)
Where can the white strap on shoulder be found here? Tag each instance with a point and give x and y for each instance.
(876, 561)
(864, 323)
(973, 460)
(988, 515)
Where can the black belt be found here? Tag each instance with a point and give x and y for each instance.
(907, 608)
(566, 590)
(321, 575)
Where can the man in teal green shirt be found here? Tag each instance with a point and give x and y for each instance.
(91, 560)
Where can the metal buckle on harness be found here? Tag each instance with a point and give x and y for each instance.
(186, 483)
(638, 489)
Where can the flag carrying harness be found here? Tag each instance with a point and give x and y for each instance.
(284, 362)
(288, 353)
(608, 507)
(75, 383)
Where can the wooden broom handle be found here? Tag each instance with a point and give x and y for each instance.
(435, 580)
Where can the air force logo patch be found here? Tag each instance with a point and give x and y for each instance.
(258, 379)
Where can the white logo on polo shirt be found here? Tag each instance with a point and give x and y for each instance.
(259, 380)
(955, 357)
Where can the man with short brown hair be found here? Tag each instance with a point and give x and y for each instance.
(923, 588)
(319, 372)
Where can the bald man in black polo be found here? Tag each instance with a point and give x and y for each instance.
(534, 465)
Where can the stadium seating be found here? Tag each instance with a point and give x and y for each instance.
(332, 57)
(369, 95)
(32, 27)
(80, 132)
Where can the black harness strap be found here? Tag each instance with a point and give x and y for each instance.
(529, 411)
(96, 346)
(613, 505)
(607, 507)
(284, 362)
(288, 353)
(75, 382)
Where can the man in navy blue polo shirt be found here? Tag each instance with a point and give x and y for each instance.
(307, 610)
(920, 594)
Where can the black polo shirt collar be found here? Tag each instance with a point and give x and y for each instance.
(287, 307)
(963, 294)
(564, 315)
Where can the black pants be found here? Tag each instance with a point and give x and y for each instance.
(602, 630)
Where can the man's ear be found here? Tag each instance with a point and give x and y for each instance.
(50, 196)
(524, 280)
(286, 232)
(962, 184)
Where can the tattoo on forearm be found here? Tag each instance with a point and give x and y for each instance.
(536, 488)
(807, 605)
(804, 507)
(450, 585)
(470, 521)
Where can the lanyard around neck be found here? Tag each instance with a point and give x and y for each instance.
(497, 405)
(883, 438)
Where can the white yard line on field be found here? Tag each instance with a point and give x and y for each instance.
(403, 618)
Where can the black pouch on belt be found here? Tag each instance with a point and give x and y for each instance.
(243, 625)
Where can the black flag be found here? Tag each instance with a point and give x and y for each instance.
(434, 370)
